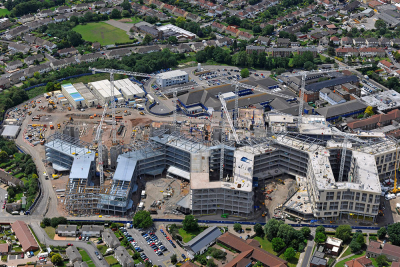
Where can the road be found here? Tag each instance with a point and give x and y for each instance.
(90, 248)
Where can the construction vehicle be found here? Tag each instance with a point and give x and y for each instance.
(99, 106)
(225, 215)
(51, 126)
(141, 113)
(56, 176)
(59, 126)
(69, 108)
(264, 214)
(71, 119)
(282, 182)
(51, 103)
(29, 113)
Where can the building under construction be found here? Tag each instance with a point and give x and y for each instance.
(331, 187)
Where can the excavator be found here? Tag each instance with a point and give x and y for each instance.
(51, 103)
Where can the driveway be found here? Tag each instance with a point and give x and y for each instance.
(120, 25)
(89, 248)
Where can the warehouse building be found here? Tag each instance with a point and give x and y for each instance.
(103, 90)
(172, 77)
(73, 96)
(11, 131)
(90, 99)
(129, 89)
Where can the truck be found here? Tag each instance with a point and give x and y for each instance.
(45, 176)
(151, 99)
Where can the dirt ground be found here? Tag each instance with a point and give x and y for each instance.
(278, 195)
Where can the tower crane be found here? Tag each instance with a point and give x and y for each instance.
(304, 74)
(98, 140)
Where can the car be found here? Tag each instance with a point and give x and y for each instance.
(97, 253)
(358, 231)
(99, 257)
(167, 238)
(87, 238)
(183, 256)
(100, 241)
(69, 245)
(80, 238)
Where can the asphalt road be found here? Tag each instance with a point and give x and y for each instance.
(89, 248)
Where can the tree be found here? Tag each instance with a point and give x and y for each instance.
(115, 14)
(381, 260)
(237, 227)
(74, 38)
(36, 75)
(142, 219)
(172, 40)
(147, 39)
(258, 229)
(355, 246)
(46, 221)
(125, 13)
(244, 73)
(308, 65)
(369, 111)
(331, 51)
(136, 255)
(3, 155)
(380, 24)
(56, 259)
(126, 5)
(211, 263)
(320, 237)
(343, 232)
(218, 254)
(393, 232)
(174, 260)
(201, 56)
(277, 244)
(290, 253)
(306, 231)
(49, 87)
(180, 22)
(271, 228)
(190, 223)
(382, 233)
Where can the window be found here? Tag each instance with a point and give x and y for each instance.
(338, 195)
(344, 205)
(319, 205)
(325, 206)
(360, 207)
(328, 213)
(357, 196)
(370, 198)
(333, 205)
(377, 199)
(368, 206)
(375, 209)
(330, 195)
(348, 195)
(364, 197)
(351, 205)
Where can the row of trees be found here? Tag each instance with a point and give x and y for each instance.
(283, 236)
(20, 7)
(53, 222)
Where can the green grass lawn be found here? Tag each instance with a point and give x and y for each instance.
(293, 262)
(266, 245)
(374, 262)
(341, 263)
(102, 249)
(188, 236)
(135, 20)
(86, 258)
(111, 260)
(18, 196)
(50, 231)
(17, 249)
(4, 12)
(347, 252)
(102, 32)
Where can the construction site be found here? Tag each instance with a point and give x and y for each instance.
(108, 160)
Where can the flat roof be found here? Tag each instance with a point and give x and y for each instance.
(81, 166)
(10, 130)
(70, 89)
(66, 147)
(204, 238)
(178, 172)
(84, 91)
(125, 168)
(171, 74)
(383, 100)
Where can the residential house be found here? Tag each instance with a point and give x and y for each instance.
(211, 13)
(210, 43)
(90, 57)
(391, 252)
(179, 12)
(148, 49)
(220, 9)
(190, 16)
(318, 260)
(283, 42)
(263, 40)
(45, 13)
(66, 230)
(17, 77)
(60, 18)
(359, 262)
(18, 48)
(183, 48)
(91, 230)
(250, 49)
(123, 257)
(118, 53)
(346, 52)
(63, 9)
(99, 4)
(245, 36)
(394, 42)
(387, 65)
(42, 68)
(197, 47)
(218, 26)
(80, 7)
(4, 249)
(203, 241)
(375, 121)
(26, 18)
(73, 254)
(372, 52)
(109, 238)
(359, 41)
(96, 46)
(282, 52)
(106, 10)
(31, 60)
(13, 65)
(225, 41)
(169, 8)
(48, 45)
(335, 40)
(5, 83)
(372, 42)
(24, 236)
(232, 30)
(384, 42)
(346, 41)
(15, 32)
(68, 51)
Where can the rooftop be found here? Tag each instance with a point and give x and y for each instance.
(384, 100)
